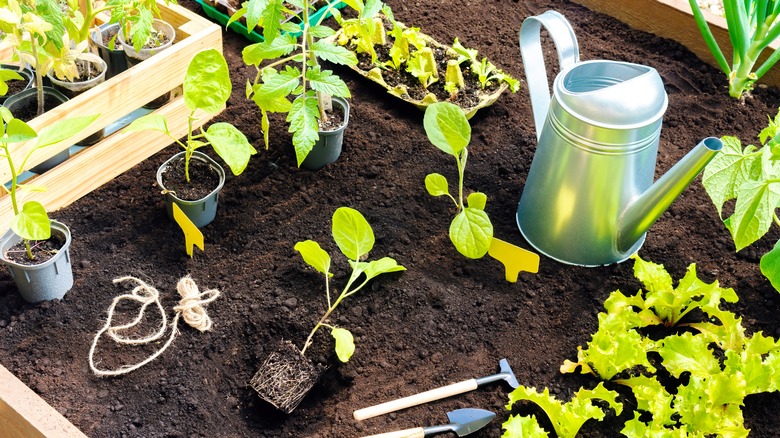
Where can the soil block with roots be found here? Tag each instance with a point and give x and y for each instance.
(285, 377)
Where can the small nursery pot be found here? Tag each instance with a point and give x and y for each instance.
(73, 89)
(26, 73)
(51, 98)
(202, 211)
(134, 57)
(49, 280)
(285, 377)
(115, 59)
(328, 147)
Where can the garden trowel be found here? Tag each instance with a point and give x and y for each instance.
(462, 422)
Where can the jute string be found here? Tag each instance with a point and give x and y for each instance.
(190, 308)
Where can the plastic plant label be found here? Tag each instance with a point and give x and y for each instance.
(514, 259)
(327, 102)
(192, 235)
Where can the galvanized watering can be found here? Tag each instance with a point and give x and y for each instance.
(589, 197)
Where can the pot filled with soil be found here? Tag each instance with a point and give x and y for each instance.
(16, 86)
(24, 106)
(197, 198)
(91, 74)
(48, 276)
(110, 49)
(162, 37)
(327, 149)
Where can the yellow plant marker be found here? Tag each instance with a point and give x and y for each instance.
(514, 259)
(192, 235)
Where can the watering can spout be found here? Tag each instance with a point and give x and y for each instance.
(643, 211)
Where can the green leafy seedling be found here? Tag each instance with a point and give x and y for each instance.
(135, 18)
(206, 87)
(453, 79)
(30, 220)
(566, 418)
(422, 65)
(355, 238)
(448, 129)
(752, 27)
(751, 175)
(5, 76)
(294, 70)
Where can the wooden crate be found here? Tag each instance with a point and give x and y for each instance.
(114, 99)
(23, 414)
(673, 19)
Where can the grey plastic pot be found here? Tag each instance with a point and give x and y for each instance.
(134, 57)
(203, 211)
(49, 280)
(328, 146)
(115, 58)
(52, 98)
(26, 73)
(73, 89)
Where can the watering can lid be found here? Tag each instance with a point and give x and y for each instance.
(611, 93)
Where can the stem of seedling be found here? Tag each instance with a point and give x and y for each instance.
(777, 220)
(38, 74)
(331, 307)
(461, 162)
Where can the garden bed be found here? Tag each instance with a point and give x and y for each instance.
(445, 319)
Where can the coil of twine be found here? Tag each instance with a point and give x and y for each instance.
(191, 308)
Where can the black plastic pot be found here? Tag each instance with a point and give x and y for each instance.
(26, 73)
(134, 57)
(202, 211)
(328, 147)
(49, 280)
(115, 58)
(52, 98)
(73, 89)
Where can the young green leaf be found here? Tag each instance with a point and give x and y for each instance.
(279, 84)
(333, 53)
(320, 31)
(385, 265)
(652, 397)
(723, 176)
(345, 343)
(477, 200)
(17, 131)
(255, 54)
(352, 233)
(254, 12)
(5, 76)
(519, 426)
(754, 210)
(207, 82)
(151, 121)
(568, 418)
(688, 352)
(231, 145)
(32, 222)
(436, 184)
(314, 255)
(63, 130)
(770, 265)
(303, 117)
(471, 232)
(326, 82)
(447, 127)
(272, 17)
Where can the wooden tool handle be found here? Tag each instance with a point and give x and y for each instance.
(417, 432)
(417, 399)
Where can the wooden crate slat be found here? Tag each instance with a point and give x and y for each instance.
(129, 90)
(94, 166)
(25, 415)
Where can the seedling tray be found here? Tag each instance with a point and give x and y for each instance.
(401, 91)
(212, 8)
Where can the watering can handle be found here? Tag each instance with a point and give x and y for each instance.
(565, 42)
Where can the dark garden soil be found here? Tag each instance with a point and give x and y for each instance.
(445, 319)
